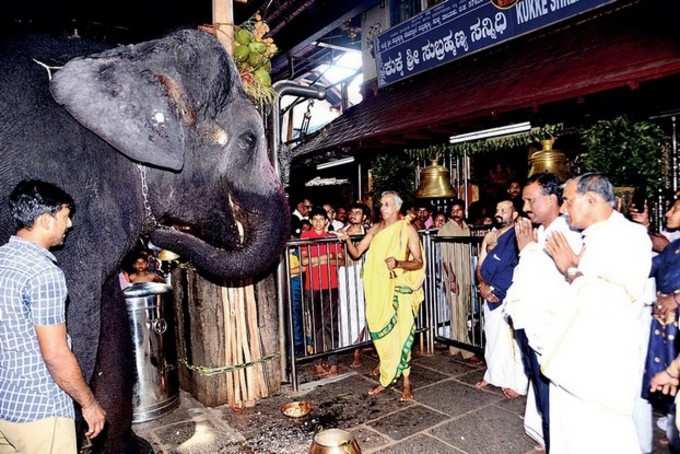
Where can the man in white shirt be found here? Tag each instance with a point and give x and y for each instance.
(535, 278)
(592, 354)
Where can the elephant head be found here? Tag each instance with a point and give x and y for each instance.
(176, 106)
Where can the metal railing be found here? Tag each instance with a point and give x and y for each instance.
(325, 309)
(458, 317)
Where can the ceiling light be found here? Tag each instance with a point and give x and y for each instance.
(339, 162)
(493, 132)
(336, 47)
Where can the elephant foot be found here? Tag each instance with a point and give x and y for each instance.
(132, 444)
(141, 445)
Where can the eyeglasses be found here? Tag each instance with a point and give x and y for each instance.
(308, 206)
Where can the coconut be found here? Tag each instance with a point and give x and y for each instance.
(243, 37)
(241, 53)
(255, 59)
(257, 47)
(263, 76)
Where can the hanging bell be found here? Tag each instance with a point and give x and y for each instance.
(549, 160)
(434, 182)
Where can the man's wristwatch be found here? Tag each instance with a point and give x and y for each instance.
(573, 273)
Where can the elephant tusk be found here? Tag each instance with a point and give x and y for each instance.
(241, 231)
(235, 209)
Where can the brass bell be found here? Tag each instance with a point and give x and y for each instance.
(434, 182)
(549, 160)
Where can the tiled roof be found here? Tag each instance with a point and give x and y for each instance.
(586, 58)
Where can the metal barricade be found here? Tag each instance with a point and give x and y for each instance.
(324, 307)
(324, 301)
(458, 317)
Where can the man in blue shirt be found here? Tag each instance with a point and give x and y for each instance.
(39, 375)
(497, 261)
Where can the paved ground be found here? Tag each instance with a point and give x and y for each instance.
(448, 415)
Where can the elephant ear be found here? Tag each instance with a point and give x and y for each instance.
(134, 97)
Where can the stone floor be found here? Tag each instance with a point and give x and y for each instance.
(448, 415)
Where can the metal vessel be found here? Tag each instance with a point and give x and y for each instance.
(156, 389)
(334, 441)
(297, 409)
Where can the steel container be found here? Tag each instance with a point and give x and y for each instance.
(156, 390)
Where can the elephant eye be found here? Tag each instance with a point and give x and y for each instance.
(247, 141)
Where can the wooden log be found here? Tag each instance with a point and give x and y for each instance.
(255, 340)
(243, 334)
(238, 359)
(235, 359)
(228, 332)
(201, 314)
(201, 327)
(223, 18)
(180, 301)
(268, 322)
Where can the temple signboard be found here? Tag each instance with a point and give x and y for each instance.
(456, 28)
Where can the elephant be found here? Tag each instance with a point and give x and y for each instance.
(156, 139)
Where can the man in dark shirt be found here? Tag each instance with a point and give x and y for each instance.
(498, 259)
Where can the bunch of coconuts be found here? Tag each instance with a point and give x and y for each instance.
(254, 52)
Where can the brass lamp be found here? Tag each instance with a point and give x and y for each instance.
(434, 182)
(549, 160)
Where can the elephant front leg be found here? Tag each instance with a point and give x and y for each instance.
(113, 378)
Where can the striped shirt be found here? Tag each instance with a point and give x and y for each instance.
(32, 292)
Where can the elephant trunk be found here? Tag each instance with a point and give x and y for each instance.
(266, 223)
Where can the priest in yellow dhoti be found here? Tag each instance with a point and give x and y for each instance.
(393, 276)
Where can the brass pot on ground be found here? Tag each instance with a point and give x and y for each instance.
(435, 182)
(334, 441)
(549, 160)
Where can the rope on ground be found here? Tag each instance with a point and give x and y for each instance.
(208, 371)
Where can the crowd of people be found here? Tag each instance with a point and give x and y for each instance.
(580, 307)
(326, 288)
(569, 284)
